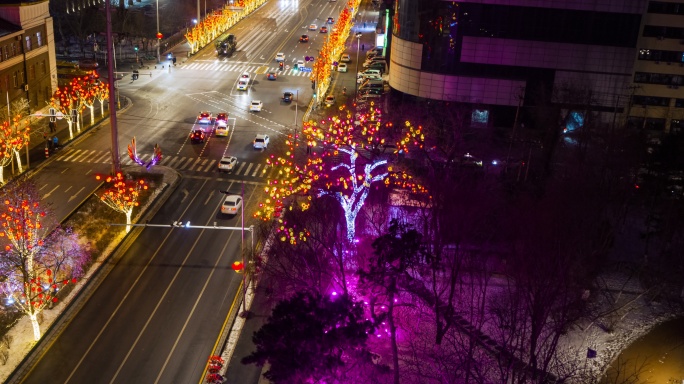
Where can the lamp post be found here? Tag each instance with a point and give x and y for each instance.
(356, 80)
(158, 33)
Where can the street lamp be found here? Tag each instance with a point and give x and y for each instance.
(158, 39)
(356, 80)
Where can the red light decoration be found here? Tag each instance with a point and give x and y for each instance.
(159, 35)
(238, 266)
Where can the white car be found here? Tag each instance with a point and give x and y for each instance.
(330, 100)
(227, 163)
(280, 56)
(256, 106)
(313, 27)
(342, 67)
(231, 205)
(300, 64)
(242, 85)
(345, 58)
(244, 76)
(261, 142)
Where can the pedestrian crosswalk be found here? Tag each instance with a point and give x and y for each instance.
(179, 163)
(231, 67)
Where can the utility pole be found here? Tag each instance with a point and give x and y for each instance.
(116, 163)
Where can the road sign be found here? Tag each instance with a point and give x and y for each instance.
(305, 69)
(59, 115)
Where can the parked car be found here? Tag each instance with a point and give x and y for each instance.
(88, 64)
(261, 141)
(227, 163)
(231, 205)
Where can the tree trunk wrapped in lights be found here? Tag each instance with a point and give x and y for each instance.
(101, 93)
(123, 195)
(342, 163)
(64, 100)
(12, 138)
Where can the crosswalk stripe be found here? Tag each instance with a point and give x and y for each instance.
(185, 164)
(83, 156)
(71, 154)
(173, 161)
(271, 173)
(103, 158)
(195, 163)
(248, 168)
(242, 165)
(256, 170)
(210, 165)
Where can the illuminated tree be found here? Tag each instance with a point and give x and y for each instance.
(86, 89)
(13, 137)
(123, 194)
(312, 338)
(343, 165)
(65, 100)
(30, 279)
(101, 93)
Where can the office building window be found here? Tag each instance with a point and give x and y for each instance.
(13, 49)
(679, 103)
(39, 39)
(666, 8)
(659, 55)
(32, 72)
(651, 100)
(28, 43)
(658, 78)
(661, 32)
(15, 77)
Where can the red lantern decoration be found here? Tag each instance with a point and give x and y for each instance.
(238, 266)
(159, 35)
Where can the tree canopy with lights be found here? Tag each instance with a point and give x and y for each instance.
(123, 194)
(343, 164)
(13, 136)
(33, 264)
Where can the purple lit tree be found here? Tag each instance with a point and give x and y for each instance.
(314, 338)
(395, 253)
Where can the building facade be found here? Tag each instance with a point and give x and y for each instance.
(27, 57)
(657, 103)
(506, 54)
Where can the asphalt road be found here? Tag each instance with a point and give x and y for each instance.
(157, 315)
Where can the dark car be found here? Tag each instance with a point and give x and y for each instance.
(288, 96)
(371, 92)
(304, 39)
(324, 29)
(330, 20)
(197, 136)
(271, 75)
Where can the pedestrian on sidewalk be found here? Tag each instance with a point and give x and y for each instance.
(55, 142)
(53, 126)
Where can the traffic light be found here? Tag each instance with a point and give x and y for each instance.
(52, 112)
(135, 48)
(313, 85)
